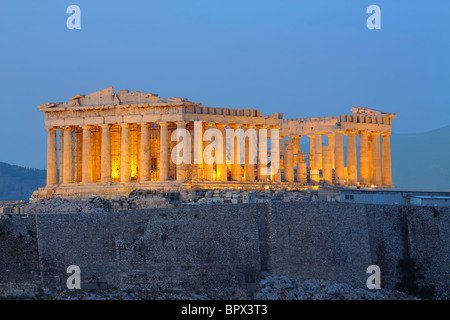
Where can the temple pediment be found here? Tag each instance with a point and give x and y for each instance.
(370, 112)
(107, 97)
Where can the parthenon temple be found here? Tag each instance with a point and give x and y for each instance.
(108, 144)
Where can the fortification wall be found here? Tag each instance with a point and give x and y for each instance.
(218, 248)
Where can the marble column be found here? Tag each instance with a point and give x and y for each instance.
(327, 165)
(221, 154)
(288, 161)
(301, 170)
(68, 156)
(364, 170)
(351, 158)
(318, 151)
(369, 155)
(386, 160)
(262, 154)
(125, 168)
(106, 154)
(164, 151)
(86, 156)
(312, 151)
(339, 158)
(61, 155)
(376, 159)
(197, 149)
(181, 167)
(331, 145)
(249, 166)
(275, 168)
(52, 157)
(236, 168)
(296, 148)
(208, 158)
(144, 166)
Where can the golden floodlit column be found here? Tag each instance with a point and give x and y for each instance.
(364, 170)
(125, 169)
(386, 160)
(331, 144)
(339, 157)
(106, 153)
(276, 172)
(181, 167)
(376, 159)
(312, 151)
(302, 174)
(369, 154)
(288, 161)
(327, 166)
(52, 157)
(164, 151)
(222, 172)
(249, 160)
(68, 156)
(236, 169)
(351, 158)
(197, 149)
(295, 148)
(318, 151)
(208, 159)
(262, 154)
(86, 156)
(144, 167)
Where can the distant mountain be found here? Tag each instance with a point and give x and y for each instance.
(18, 183)
(421, 160)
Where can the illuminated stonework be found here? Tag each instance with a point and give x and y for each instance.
(109, 144)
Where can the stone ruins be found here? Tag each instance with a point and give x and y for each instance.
(108, 144)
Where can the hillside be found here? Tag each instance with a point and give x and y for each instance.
(18, 183)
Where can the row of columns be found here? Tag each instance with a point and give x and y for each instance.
(374, 164)
(67, 164)
(373, 169)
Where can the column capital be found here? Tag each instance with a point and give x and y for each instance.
(220, 125)
(51, 128)
(248, 126)
(105, 125)
(180, 123)
(385, 133)
(234, 125)
(86, 127)
(144, 124)
(163, 123)
(261, 126)
(124, 125)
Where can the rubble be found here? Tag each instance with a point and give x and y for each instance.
(146, 199)
(270, 287)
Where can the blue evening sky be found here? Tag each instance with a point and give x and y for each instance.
(302, 58)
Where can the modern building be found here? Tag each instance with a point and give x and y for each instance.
(384, 196)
